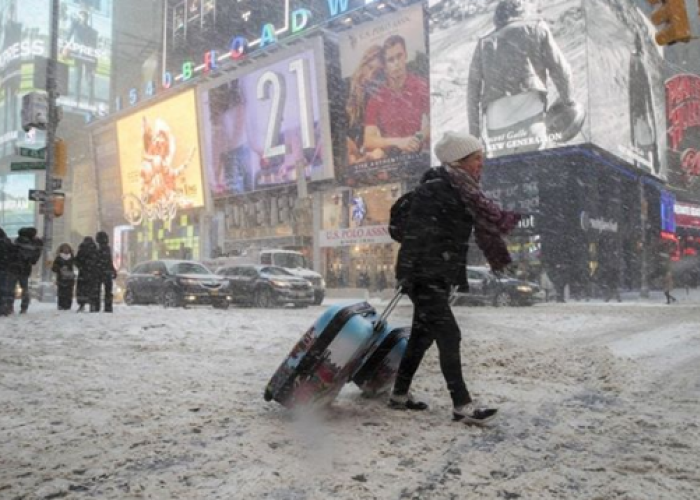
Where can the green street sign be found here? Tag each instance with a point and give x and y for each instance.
(39, 154)
(27, 165)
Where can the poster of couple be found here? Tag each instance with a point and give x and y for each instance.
(384, 66)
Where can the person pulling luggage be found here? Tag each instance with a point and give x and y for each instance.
(445, 207)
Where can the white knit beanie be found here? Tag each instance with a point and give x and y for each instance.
(454, 146)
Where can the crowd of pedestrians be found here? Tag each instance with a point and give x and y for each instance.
(81, 276)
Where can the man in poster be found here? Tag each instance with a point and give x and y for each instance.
(10, 66)
(81, 46)
(642, 120)
(507, 86)
(396, 119)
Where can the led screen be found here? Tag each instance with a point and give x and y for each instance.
(160, 161)
(264, 126)
(511, 73)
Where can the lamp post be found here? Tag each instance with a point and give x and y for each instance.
(52, 124)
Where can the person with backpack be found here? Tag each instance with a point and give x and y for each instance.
(434, 224)
(106, 273)
(28, 252)
(64, 268)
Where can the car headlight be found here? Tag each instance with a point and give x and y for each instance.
(524, 288)
(281, 284)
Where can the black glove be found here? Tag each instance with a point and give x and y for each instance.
(404, 286)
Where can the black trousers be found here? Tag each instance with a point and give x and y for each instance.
(433, 321)
(106, 282)
(65, 294)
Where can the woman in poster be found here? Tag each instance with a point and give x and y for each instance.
(364, 83)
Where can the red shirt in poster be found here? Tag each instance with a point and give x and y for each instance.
(399, 113)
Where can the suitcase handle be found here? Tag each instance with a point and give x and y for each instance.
(381, 321)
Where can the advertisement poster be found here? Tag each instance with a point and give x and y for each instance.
(626, 90)
(85, 45)
(683, 131)
(510, 72)
(387, 99)
(16, 210)
(265, 127)
(85, 39)
(160, 160)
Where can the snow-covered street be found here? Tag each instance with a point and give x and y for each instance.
(597, 401)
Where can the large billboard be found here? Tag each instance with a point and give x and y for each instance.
(16, 210)
(626, 71)
(266, 124)
(159, 156)
(84, 42)
(387, 99)
(512, 72)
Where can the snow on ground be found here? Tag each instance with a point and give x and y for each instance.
(597, 401)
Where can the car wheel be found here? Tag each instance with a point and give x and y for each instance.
(263, 298)
(318, 299)
(222, 304)
(170, 299)
(129, 297)
(503, 299)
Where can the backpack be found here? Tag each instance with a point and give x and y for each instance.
(398, 216)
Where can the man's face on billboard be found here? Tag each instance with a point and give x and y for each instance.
(395, 62)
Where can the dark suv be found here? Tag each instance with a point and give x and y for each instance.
(267, 286)
(486, 288)
(176, 283)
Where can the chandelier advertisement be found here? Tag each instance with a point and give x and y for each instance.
(160, 160)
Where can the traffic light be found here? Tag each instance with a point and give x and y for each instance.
(673, 17)
(60, 157)
(59, 203)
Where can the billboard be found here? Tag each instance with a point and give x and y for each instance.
(510, 72)
(387, 98)
(85, 40)
(626, 71)
(160, 162)
(264, 125)
(16, 210)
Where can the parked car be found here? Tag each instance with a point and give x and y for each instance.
(267, 286)
(485, 288)
(176, 283)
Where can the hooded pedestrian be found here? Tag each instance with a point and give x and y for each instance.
(106, 272)
(27, 253)
(446, 206)
(64, 268)
(7, 256)
(87, 291)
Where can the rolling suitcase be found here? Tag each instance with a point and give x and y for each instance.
(377, 374)
(328, 355)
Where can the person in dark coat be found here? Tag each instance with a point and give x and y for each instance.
(28, 252)
(88, 275)
(7, 256)
(64, 267)
(106, 270)
(447, 205)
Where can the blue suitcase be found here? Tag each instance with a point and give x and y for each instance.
(328, 355)
(377, 373)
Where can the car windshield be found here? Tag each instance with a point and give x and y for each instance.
(289, 260)
(275, 271)
(187, 268)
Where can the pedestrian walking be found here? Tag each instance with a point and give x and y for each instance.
(446, 206)
(668, 287)
(27, 253)
(7, 256)
(64, 268)
(86, 261)
(106, 272)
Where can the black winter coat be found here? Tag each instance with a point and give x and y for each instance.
(87, 260)
(435, 243)
(28, 254)
(105, 264)
(8, 253)
(64, 269)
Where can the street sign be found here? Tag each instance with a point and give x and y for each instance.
(37, 195)
(39, 154)
(57, 183)
(27, 165)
